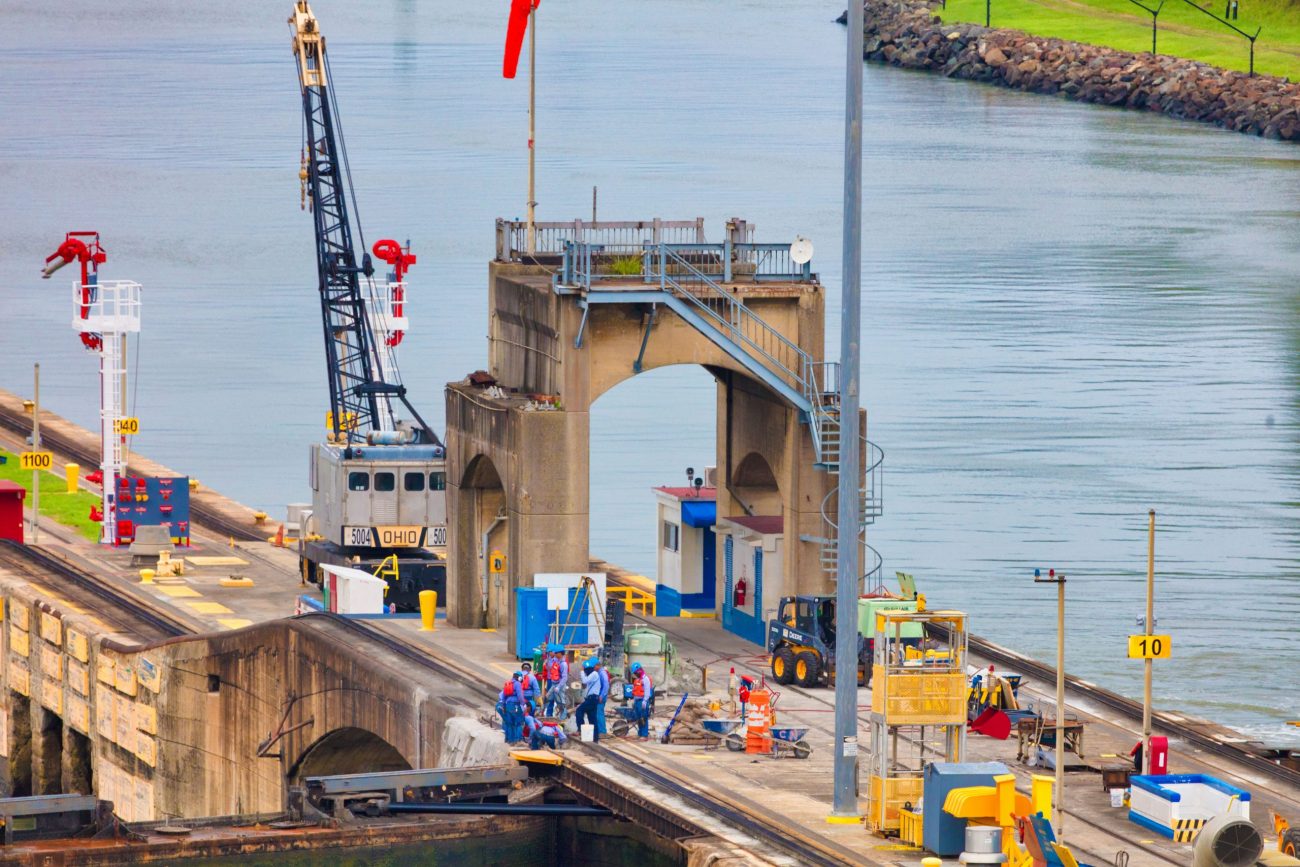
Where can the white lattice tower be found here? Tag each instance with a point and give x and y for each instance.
(113, 313)
(386, 310)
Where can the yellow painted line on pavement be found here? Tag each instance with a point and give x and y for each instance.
(234, 622)
(180, 592)
(209, 608)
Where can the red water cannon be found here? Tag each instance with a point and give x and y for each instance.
(401, 258)
(91, 255)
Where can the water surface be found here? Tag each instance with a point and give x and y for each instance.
(1072, 314)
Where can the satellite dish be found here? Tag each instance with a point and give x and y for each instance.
(801, 251)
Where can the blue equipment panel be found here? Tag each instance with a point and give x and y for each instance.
(143, 502)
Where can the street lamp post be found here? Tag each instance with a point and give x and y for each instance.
(847, 568)
(1059, 581)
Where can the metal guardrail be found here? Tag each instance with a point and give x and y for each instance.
(552, 238)
(634, 597)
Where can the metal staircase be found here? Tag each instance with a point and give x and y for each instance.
(689, 278)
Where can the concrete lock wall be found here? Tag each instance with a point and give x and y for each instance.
(534, 434)
(212, 725)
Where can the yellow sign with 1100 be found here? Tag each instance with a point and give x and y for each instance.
(1149, 647)
(36, 460)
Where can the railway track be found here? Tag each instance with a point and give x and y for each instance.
(814, 696)
(786, 839)
(106, 600)
(200, 513)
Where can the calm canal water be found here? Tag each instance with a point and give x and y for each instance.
(1072, 314)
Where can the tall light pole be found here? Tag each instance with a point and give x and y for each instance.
(36, 447)
(847, 569)
(1149, 630)
(1059, 581)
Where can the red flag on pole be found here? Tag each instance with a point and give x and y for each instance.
(515, 30)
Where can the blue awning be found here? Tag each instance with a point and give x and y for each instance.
(699, 513)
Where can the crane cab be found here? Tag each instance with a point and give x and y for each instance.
(373, 501)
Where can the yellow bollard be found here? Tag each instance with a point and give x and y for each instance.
(428, 609)
(73, 472)
(931, 862)
(1040, 793)
(146, 576)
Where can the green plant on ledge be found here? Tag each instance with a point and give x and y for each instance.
(626, 266)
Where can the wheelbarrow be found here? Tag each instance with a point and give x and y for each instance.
(724, 730)
(626, 723)
(788, 740)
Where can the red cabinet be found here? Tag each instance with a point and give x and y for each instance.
(11, 510)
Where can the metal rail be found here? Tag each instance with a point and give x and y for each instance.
(785, 838)
(200, 514)
(37, 559)
(1132, 710)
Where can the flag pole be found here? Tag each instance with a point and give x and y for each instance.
(532, 107)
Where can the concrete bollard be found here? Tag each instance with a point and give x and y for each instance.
(73, 472)
(428, 610)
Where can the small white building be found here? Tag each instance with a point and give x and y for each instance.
(687, 571)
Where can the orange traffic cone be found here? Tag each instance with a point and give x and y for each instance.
(279, 537)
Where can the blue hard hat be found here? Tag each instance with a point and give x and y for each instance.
(636, 666)
(518, 674)
(589, 663)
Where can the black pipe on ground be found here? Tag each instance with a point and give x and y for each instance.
(502, 809)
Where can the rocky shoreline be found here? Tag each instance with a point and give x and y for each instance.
(907, 33)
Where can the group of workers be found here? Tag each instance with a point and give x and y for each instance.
(525, 693)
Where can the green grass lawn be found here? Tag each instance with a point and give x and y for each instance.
(71, 510)
(1184, 31)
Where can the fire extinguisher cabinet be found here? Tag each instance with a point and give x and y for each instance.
(11, 510)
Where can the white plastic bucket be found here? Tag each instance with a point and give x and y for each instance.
(1117, 797)
(588, 732)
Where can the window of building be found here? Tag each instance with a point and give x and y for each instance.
(437, 481)
(385, 481)
(358, 481)
(672, 536)
(413, 482)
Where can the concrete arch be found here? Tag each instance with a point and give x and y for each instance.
(552, 353)
(347, 750)
(481, 473)
(484, 505)
(754, 487)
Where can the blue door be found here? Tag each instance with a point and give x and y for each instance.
(710, 578)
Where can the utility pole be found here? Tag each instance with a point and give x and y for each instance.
(532, 130)
(1059, 581)
(36, 447)
(1149, 630)
(847, 569)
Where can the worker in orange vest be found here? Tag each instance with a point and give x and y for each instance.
(643, 692)
(555, 671)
